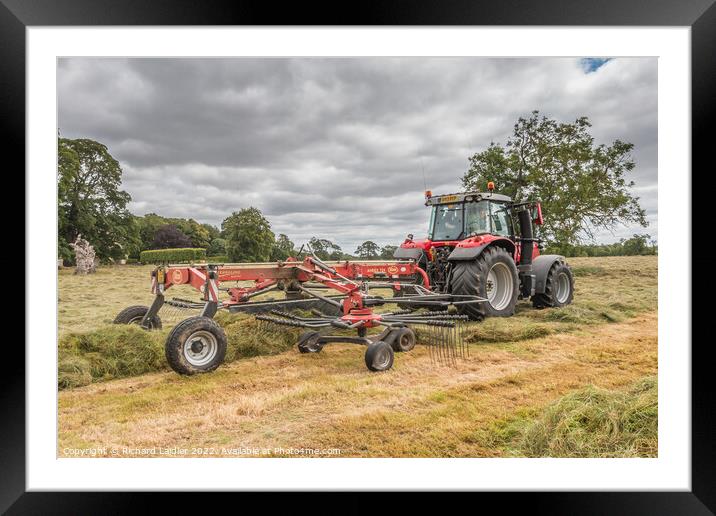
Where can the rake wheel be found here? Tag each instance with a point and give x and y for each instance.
(379, 356)
(308, 342)
(196, 345)
(135, 314)
(404, 341)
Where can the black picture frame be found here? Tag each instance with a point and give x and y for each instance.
(700, 15)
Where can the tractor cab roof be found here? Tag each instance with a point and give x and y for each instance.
(465, 197)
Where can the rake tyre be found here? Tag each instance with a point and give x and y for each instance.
(379, 356)
(492, 275)
(559, 287)
(404, 341)
(135, 314)
(308, 342)
(195, 345)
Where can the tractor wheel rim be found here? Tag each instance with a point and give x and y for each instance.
(562, 288)
(200, 348)
(381, 358)
(499, 287)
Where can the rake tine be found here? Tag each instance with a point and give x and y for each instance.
(451, 343)
(431, 336)
(433, 349)
(458, 336)
(458, 342)
(450, 350)
(462, 336)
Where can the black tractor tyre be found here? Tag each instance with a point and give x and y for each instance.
(135, 314)
(470, 278)
(196, 345)
(559, 287)
(404, 341)
(379, 356)
(308, 342)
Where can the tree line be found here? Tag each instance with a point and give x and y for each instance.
(637, 245)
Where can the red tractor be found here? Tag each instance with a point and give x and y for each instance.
(482, 244)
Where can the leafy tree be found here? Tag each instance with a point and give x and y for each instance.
(213, 231)
(637, 245)
(248, 236)
(368, 250)
(216, 247)
(200, 235)
(582, 186)
(197, 233)
(386, 253)
(90, 201)
(169, 237)
(283, 248)
(325, 249)
(148, 226)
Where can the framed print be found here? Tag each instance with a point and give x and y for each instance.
(414, 250)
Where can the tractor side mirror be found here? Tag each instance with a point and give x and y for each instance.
(537, 214)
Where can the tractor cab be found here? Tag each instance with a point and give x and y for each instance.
(455, 217)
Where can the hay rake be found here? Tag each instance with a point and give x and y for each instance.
(197, 344)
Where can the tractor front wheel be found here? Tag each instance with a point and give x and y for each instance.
(558, 289)
(135, 314)
(493, 275)
(195, 345)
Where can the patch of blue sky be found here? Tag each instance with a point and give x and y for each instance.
(592, 64)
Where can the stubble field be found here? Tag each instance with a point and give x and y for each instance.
(578, 381)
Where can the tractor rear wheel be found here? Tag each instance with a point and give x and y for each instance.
(493, 275)
(195, 345)
(135, 314)
(558, 289)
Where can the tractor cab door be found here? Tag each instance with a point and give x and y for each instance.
(501, 220)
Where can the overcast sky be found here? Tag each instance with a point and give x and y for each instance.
(335, 147)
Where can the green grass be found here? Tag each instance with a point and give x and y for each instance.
(118, 351)
(589, 422)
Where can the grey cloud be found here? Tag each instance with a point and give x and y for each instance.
(336, 147)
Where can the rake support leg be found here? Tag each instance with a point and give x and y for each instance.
(153, 310)
(209, 309)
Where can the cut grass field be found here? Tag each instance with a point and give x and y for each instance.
(577, 381)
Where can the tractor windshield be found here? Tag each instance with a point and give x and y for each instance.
(446, 222)
(461, 220)
(477, 218)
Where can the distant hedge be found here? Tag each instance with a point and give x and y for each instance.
(172, 255)
(221, 258)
